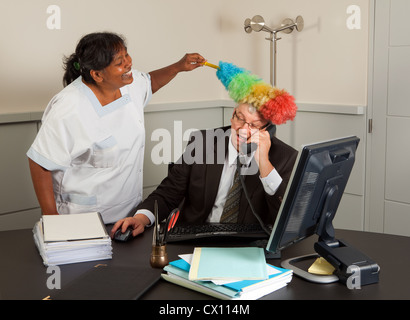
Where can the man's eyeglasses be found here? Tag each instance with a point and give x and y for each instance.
(241, 122)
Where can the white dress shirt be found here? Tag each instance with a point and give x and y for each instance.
(270, 183)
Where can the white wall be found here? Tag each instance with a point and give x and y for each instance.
(325, 63)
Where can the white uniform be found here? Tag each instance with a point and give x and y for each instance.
(95, 152)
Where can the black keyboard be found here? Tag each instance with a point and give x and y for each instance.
(190, 232)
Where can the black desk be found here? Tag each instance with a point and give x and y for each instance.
(23, 275)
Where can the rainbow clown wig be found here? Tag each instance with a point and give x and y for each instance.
(274, 104)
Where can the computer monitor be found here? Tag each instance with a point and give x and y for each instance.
(311, 200)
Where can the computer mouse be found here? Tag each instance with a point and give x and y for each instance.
(120, 236)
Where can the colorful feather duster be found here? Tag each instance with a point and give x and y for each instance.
(274, 104)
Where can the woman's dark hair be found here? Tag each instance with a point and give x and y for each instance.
(94, 51)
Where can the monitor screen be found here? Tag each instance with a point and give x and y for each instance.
(312, 197)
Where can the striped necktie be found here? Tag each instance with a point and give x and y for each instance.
(231, 209)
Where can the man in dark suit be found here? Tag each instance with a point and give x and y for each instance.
(205, 173)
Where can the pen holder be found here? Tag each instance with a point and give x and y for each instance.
(159, 256)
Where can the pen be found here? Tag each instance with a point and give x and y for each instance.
(156, 223)
(170, 223)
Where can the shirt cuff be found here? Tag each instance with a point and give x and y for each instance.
(148, 214)
(271, 182)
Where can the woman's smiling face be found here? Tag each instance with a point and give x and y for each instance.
(118, 73)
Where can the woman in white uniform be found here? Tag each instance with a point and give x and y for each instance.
(88, 154)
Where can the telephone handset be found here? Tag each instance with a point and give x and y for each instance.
(248, 148)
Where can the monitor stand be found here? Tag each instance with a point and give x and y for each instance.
(338, 253)
(343, 257)
(291, 264)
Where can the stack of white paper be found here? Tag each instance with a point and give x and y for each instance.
(63, 239)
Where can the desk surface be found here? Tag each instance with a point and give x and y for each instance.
(23, 275)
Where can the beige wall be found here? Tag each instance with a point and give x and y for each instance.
(325, 63)
(324, 67)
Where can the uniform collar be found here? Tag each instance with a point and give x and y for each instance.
(99, 109)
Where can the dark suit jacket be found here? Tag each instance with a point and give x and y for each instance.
(195, 179)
